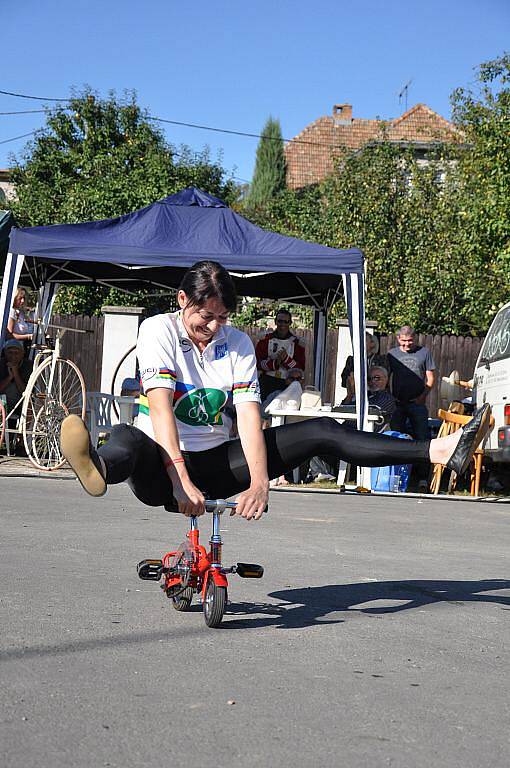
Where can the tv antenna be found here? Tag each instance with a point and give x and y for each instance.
(404, 94)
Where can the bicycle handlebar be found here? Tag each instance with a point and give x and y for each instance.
(67, 328)
(219, 505)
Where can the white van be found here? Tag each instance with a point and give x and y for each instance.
(492, 384)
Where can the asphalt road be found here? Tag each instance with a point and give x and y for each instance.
(378, 636)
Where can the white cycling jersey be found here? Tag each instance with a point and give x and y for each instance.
(202, 383)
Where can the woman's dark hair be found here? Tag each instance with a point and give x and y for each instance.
(209, 280)
(283, 311)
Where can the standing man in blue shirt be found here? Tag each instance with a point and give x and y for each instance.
(413, 376)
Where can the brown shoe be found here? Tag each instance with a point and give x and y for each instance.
(472, 435)
(82, 457)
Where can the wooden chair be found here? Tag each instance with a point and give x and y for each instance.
(453, 419)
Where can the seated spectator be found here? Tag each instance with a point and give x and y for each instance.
(277, 353)
(15, 372)
(373, 358)
(19, 326)
(131, 388)
(378, 393)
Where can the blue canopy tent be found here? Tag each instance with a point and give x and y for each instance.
(153, 247)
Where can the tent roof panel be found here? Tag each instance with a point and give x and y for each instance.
(178, 231)
(154, 246)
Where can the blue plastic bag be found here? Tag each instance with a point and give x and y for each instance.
(380, 477)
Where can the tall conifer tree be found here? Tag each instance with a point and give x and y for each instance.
(269, 174)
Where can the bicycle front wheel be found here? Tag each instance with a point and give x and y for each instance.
(214, 604)
(55, 390)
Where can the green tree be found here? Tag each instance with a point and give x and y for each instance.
(100, 158)
(269, 174)
(384, 202)
(483, 113)
(402, 215)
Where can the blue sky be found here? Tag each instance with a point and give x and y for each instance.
(230, 64)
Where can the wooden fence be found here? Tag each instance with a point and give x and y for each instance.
(449, 352)
(85, 349)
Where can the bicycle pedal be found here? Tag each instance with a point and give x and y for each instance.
(249, 570)
(150, 570)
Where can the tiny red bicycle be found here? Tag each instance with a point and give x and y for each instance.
(192, 569)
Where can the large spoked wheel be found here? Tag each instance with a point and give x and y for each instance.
(116, 379)
(2, 423)
(214, 604)
(55, 390)
(183, 601)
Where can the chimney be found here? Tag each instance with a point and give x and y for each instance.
(342, 114)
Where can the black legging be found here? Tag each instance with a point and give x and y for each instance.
(220, 472)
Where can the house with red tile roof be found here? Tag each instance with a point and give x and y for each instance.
(311, 154)
(7, 191)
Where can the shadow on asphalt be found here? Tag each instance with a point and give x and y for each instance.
(300, 608)
(97, 643)
(310, 606)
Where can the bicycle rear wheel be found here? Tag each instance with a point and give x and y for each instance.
(116, 379)
(183, 600)
(55, 390)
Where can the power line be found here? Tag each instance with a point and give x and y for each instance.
(177, 154)
(36, 98)
(238, 133)
(25, 112)
(159, 120)
(23, 136)
(195, 125)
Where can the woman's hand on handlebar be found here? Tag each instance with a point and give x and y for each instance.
(190, 499)
(252, 503)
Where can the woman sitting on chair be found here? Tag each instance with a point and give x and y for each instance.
(192, 365)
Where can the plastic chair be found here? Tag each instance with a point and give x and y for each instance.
(453, 419)
(10, 430)
(99, 414)
(128, 408)
(4, 428)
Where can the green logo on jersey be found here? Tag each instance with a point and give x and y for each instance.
(201, 407)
